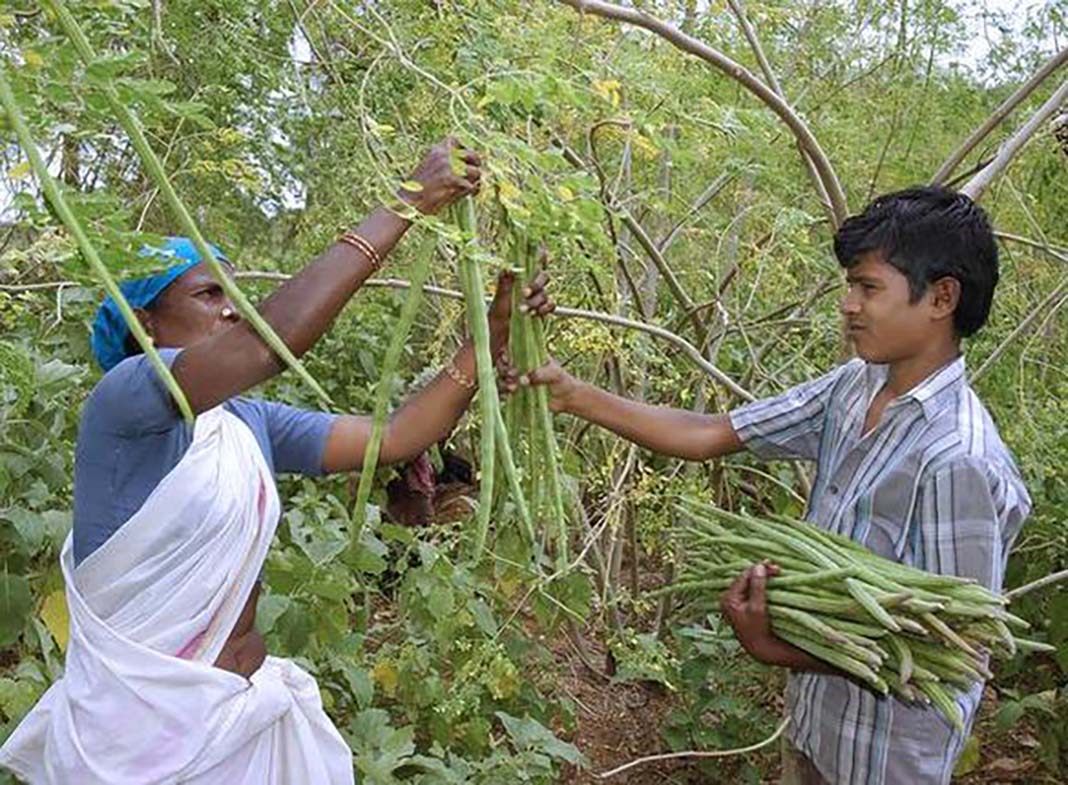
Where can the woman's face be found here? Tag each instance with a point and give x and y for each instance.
(192, 308)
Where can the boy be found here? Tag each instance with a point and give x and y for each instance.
(909, 463)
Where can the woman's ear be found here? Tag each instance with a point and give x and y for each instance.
(945, 297)
(145, 318)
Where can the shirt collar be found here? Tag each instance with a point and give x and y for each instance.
(931, 394)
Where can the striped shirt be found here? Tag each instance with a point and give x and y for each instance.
(931, 485)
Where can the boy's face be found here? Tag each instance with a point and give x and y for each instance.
(883, 325)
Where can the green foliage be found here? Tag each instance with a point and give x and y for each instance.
(437, 672)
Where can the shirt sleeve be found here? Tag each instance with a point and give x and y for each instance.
(131, 399)
(790, 425)
(298, 437)
(957, 526)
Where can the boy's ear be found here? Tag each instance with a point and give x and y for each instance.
(944, 296)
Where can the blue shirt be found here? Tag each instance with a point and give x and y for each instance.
(131, 436)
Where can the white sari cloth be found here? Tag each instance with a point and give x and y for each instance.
(140, 702)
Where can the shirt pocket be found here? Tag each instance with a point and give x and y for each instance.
(889, 513)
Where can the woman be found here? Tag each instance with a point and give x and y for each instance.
(167, 679)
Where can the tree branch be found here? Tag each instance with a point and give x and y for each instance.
(736, 71)
(706, 196)
(1057, 252)
(643, 238)
(1041, 583)
(769, 75)
(1050, 301)
(698, 754)
(978, 184)
(567, 313)
(1003, 111)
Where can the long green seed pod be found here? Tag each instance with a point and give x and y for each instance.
(943, 702)
(478, 326)
(903, 654)
(862, 654)
(66, 215)
(947, 633)
(419, 274)
(1025, 644)
(154, 168)
(839, 660)
(537, 352)
(820, 577)
(861, 595)
(825, 632)
(511, 475)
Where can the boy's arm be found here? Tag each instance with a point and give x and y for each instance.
(675, 432)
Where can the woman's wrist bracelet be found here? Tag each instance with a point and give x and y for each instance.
(364, 246)
(460, 377)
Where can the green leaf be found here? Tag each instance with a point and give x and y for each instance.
(969, 757)
(441, 602)
(104, 69)
(360, 684)
(369, 555)
(16, 606)
(269, 608)
(17, 696)
(529, 734)
(1009, 714)
(483, 616)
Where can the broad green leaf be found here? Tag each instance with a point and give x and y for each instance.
(16, 605)
(56, 617)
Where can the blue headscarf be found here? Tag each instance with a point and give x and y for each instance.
(109, 328)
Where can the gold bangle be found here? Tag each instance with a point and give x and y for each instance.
(361, 243)
(460, 377)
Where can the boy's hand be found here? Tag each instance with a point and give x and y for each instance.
(746, 607)
(563, 387)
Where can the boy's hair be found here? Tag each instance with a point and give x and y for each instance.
(929, 233)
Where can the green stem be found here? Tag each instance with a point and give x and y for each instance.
(66, 215)
(154, 167)
(478, 325)
(420, 273)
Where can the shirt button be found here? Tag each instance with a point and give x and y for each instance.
(832, 489)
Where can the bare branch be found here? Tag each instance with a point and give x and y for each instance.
(697, 754)
(1027, 588)
(1003, 111)
(736, 71)
(567, 313)
(769, 75)
(1057, 252)
(978, 184)
(706, 196)
(1050, 304)
(644, 240)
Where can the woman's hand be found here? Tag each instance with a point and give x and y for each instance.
(448, 172)
(536, 301)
